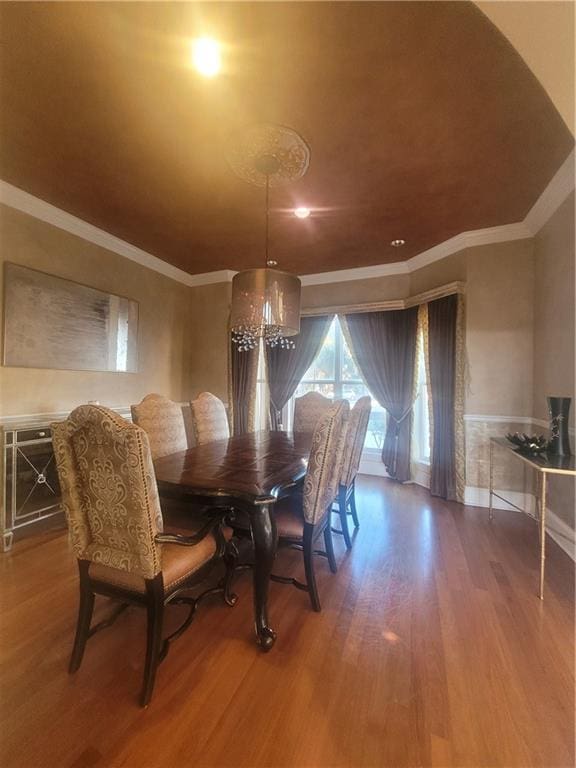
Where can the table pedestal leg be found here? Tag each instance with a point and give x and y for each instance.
(264, 536)
(542, 533)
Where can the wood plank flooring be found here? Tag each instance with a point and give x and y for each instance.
(432, 649)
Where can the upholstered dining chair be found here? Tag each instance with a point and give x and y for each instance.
(209, 418)
(354, 443)
(163, 422)
(308, 410)
(302, 518)
(110, 498)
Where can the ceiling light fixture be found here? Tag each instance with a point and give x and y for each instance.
(266, 302)
(206, 56)
(398, 243)
(302, 213)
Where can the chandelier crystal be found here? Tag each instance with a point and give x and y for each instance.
(265, 301)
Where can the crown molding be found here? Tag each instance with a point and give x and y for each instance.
(553, 196)
(384, 306)
(40, 209)
(547, 204)
(356, 273)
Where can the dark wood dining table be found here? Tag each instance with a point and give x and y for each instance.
(249, 472)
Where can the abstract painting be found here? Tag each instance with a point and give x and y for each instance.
(50, 322)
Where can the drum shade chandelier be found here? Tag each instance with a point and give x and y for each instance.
(266, 301)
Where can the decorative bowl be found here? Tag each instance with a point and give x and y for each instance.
(530, 445)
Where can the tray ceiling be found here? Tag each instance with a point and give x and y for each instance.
(423, 122)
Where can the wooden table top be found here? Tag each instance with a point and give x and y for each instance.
(258, 467)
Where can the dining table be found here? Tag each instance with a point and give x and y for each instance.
(248, 472)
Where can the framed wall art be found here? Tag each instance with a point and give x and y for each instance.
(50, 322)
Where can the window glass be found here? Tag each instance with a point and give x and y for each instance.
(325, 388)
(421, 420)
(349, 370)
(335, 375)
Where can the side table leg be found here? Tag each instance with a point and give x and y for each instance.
(542, 533)
(490, 483)
(264, 536)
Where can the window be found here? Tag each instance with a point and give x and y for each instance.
(334, 374)
(262, 420)
(421, 420)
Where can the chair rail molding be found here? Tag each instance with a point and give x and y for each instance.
(549, 201)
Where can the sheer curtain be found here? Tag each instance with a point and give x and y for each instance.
(384, 347)
(286, 367)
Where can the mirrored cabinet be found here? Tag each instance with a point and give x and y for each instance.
(31, 491)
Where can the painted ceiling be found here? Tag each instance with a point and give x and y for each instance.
(423, 122)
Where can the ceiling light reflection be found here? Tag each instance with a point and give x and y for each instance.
(206, 56)
(301, 212)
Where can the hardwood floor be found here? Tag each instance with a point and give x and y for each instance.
(432, 649)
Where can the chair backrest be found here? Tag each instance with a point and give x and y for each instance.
(163, 421)
(324, 463)
(209, 418)
(355, 437)
(109, 491)
(308, 410)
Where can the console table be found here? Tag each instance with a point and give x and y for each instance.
(543, 465)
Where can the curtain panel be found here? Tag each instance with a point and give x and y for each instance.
(384, 347)
(446, 365)
(243, 368)
(286, 367)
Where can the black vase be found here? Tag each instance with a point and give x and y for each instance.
(558, 409)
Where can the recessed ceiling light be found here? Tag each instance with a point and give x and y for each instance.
(302, 213)
(398, 243)
(206, 56)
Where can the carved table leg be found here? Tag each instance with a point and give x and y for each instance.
(264, 536)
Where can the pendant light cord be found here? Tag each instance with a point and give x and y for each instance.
(267, 215)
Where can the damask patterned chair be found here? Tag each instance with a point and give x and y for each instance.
(110, 498)
(308, 410)
(209, 418)
(302, 518)
(163, 422)
(355, 437)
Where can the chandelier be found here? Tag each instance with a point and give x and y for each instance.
(266, 301)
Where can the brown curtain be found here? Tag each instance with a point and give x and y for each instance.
(384, 347)
(243, 373)
(442, 323)
(286, 367)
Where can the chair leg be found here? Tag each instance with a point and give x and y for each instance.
(353, 507)
(329, 544)
(155, 610)
(85, 610)
(344, 516)
(309, 566)
(230, 558)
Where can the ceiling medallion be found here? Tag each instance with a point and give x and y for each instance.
(269, 154)
(266, 302)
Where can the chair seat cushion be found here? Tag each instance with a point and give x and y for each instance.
(289, 518)
(178, 563)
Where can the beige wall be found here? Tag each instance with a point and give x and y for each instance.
(554, 309)
(356, 291)
(210, 309)
(164, 325)
(499, 329)
(448, 270)
(554, 337)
